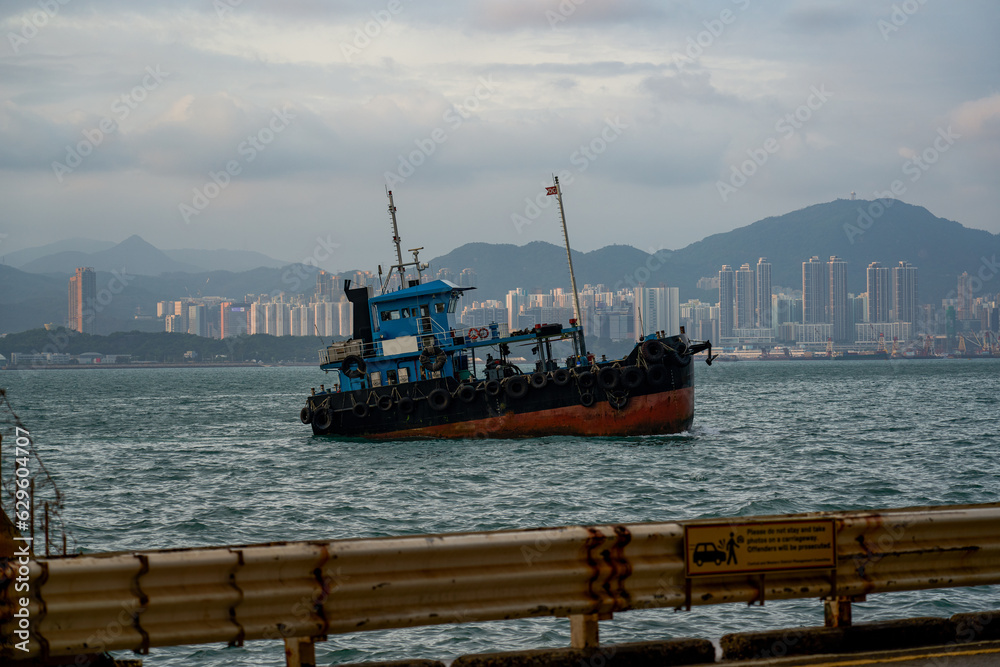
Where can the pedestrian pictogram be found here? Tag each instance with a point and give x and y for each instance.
(759, 546)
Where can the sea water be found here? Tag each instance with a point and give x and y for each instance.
(163, 458)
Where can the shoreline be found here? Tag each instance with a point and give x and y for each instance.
(65, 367)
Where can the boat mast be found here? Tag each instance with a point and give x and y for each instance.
(399, 265)
(395, 240)
(569, 260)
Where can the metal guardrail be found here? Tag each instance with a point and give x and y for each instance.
(303, 591)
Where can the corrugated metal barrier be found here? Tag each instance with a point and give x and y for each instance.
(299, 591)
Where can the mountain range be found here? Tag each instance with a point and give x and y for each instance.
(135, 256)
(857, 231)
(34, 281)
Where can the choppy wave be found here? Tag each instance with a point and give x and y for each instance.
(185, 457)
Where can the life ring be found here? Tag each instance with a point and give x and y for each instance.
(656, 375)
(493, 387)
(585, 379)
(560, 377)
(353, 373)
(360, 410)
(586, 399)
(653, 351)
(439, 399)
(516, 387)
(484, 333)
(466, 393)
(323, 419)
(539, 380)
(305, 415)
(618, 401)
(473, 334)
(432, 358)
(405, 405)
(632, 376)
(608, 377)
(385, 402)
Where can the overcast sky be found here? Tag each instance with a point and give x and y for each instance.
(116, 114)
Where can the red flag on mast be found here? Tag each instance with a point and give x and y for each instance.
(551, 190)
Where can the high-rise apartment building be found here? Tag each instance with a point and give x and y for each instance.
(904, 292)
(234, 319)
(82, 296)
(326, 285)
(814, 293)
(963, 307)
(516, 301)
(727, 299)
(840, 316)
(746, 312)
(657, 309)
(879, 292)
(762, 296)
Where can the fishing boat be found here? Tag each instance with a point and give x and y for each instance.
(410, 371)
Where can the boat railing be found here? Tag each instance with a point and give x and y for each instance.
(337, 352)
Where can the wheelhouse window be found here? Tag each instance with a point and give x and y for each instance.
(439, 307)
(390, 315)
(453, 302)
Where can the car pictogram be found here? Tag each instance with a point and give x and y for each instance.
(706, 552)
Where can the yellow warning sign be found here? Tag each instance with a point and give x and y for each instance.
(759, 546)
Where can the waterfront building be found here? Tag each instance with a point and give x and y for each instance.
(82, 298)
(746, 312)
(837, 308)
(727, 300)
(879, 292)
(762, 298)
(814, 293)
(904, 293)
(657, 309)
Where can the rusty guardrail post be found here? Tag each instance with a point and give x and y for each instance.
(837, 610)
(300, 652)
(583, 631)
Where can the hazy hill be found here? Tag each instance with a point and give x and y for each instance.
(224, 260)
(136, 255)
(19, 258)
(941, 250)
(503, 267)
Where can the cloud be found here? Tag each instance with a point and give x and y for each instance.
(979, 119)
